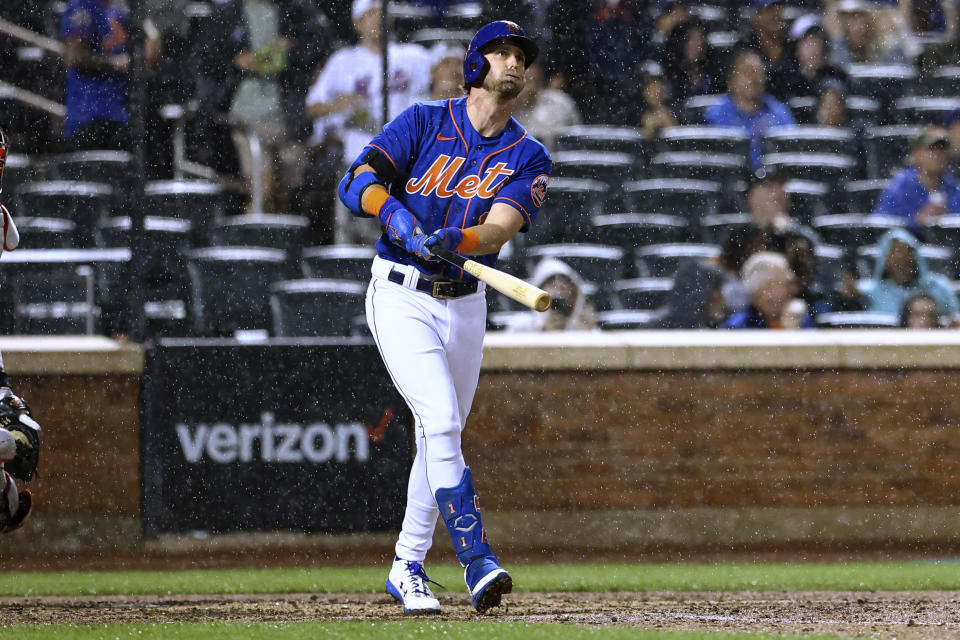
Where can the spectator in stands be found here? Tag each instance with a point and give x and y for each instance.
(799, 250)
(446, 72)
(831, 108)
(595, 47)
(747, 105)
(924, 190)
(772, 286)
(544, 110)
(920, 312)
(255, 64)
(951, 123)
(861, 39)
(688, 63)
(769, 204)
(672, 13)
(768, 32)
(94, 34)
(900, 272)
(571, 309)
(696, 299)
(655, 114)
(346, 106)
(930, 17)
(806, 65)
(738, 245)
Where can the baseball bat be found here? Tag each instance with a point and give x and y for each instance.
(510, 286)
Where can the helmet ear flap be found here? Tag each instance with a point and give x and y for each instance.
(474, 67)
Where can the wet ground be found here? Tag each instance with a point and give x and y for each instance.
(918, 615)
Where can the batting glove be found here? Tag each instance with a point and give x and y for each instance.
(448, 238)
(399, 223)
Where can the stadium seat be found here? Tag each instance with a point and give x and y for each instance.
(505, 320)
(859, 109)
(45, 233)
(230, 288)
(829, 265)
(939, 260)
(85, 203)
(165, 240)
(724, 168)
(714, 229)
(862, 195)
(887, 148)
(831, 168)
(278, 231)
(884, 83)
(566, 213)
(202, 203)
(602, 137)
(55, 302)
(809, 199)
(431, 37)
(114, 168)
(854, 229)
(19, 169)
(409, 18)
(856, 320)
(704, 139)
(338, 262)
(942, 82)
(600, 264)
(465, 16)
(662, 260)
(924, 110)
(628, 319)
(688, 199)
(608, 167)
(945, 232)
(642, 293)
(316, 307)
(808, 139)
(693, 109)
(630, 230)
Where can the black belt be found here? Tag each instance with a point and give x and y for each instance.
(437, 288)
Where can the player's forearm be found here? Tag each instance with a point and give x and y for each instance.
(76, 54)
(490, 238)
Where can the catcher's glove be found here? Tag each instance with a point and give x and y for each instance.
(15, 417)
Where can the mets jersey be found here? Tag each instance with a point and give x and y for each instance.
(450, 176)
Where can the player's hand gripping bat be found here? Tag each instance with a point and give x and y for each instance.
(510, 286)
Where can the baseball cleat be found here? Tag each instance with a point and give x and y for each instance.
(487, 582)
(407, 582)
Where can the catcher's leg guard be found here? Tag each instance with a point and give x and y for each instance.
(484, 576)
(14, 505)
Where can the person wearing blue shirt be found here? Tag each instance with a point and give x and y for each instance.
(94, 33)
(773, 290)
(924, 190)
(747, 105)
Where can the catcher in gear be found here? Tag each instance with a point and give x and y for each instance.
(19, 432)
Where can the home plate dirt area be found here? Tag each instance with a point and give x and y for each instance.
(921, 615)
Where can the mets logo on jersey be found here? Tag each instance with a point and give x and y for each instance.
(538, 189)
(438, 179)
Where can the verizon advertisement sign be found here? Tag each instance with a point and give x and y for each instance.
(281, 435)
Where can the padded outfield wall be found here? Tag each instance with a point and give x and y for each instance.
(586, 441)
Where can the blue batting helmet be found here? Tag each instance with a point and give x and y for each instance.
(475, 66)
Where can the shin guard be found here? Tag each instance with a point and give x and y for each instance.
(460, 509)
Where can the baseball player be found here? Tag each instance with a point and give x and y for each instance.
(19, 433)
(461, 174)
